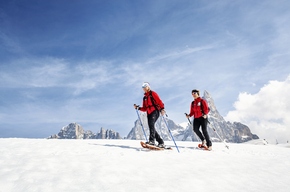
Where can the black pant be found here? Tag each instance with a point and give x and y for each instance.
(197, 122)
(152, 118)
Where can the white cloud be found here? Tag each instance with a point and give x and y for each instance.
(267, 112)
(52, 72)
(166, 69)
(178, 54)
(92, 76)
(46, 72)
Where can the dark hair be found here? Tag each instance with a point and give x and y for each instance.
(195, 90)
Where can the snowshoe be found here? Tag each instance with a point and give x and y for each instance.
(144, 145)
(201, 146)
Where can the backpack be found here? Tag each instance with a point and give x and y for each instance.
(153, 101)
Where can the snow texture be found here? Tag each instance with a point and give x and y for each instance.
(45, 165)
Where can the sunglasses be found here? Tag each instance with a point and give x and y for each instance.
(194, 93)
(144, 86)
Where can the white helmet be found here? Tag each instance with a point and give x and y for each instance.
(145, 84)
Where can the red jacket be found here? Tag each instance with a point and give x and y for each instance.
(148, 103)
(195, 108)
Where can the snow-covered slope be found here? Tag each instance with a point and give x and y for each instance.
(29, 165)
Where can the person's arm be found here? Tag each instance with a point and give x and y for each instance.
(143, 108)
(191, 110)
(158, 100)
(205, 108)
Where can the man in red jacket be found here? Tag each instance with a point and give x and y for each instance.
(153, 105)
(200, 118)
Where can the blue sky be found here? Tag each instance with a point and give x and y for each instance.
(85, 61)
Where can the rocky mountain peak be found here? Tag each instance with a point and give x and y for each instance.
(206, 94)
(75, 131)
(71, 131)
(210, 103)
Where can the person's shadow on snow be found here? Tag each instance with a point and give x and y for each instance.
(120, 146)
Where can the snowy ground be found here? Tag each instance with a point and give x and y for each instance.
(29, 165)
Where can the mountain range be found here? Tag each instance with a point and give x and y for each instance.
(75, 131)
(235, 132)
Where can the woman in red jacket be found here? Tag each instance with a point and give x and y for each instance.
(200, 118)
(153, 106)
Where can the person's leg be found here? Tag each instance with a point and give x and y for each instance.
(204, 131)
(196, 125)
(157, 136)
(152, 118)
(151, 128)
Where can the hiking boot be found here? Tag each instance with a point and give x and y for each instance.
(150, 143)
(161, 145)
(203, 144)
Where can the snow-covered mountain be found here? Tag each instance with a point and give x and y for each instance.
(232, 132)
(75, 131)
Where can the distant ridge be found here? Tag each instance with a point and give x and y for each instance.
(75, 131)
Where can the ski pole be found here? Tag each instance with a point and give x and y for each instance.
(217, 133)
(141, 125)
(171, 134)
(192, 126)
